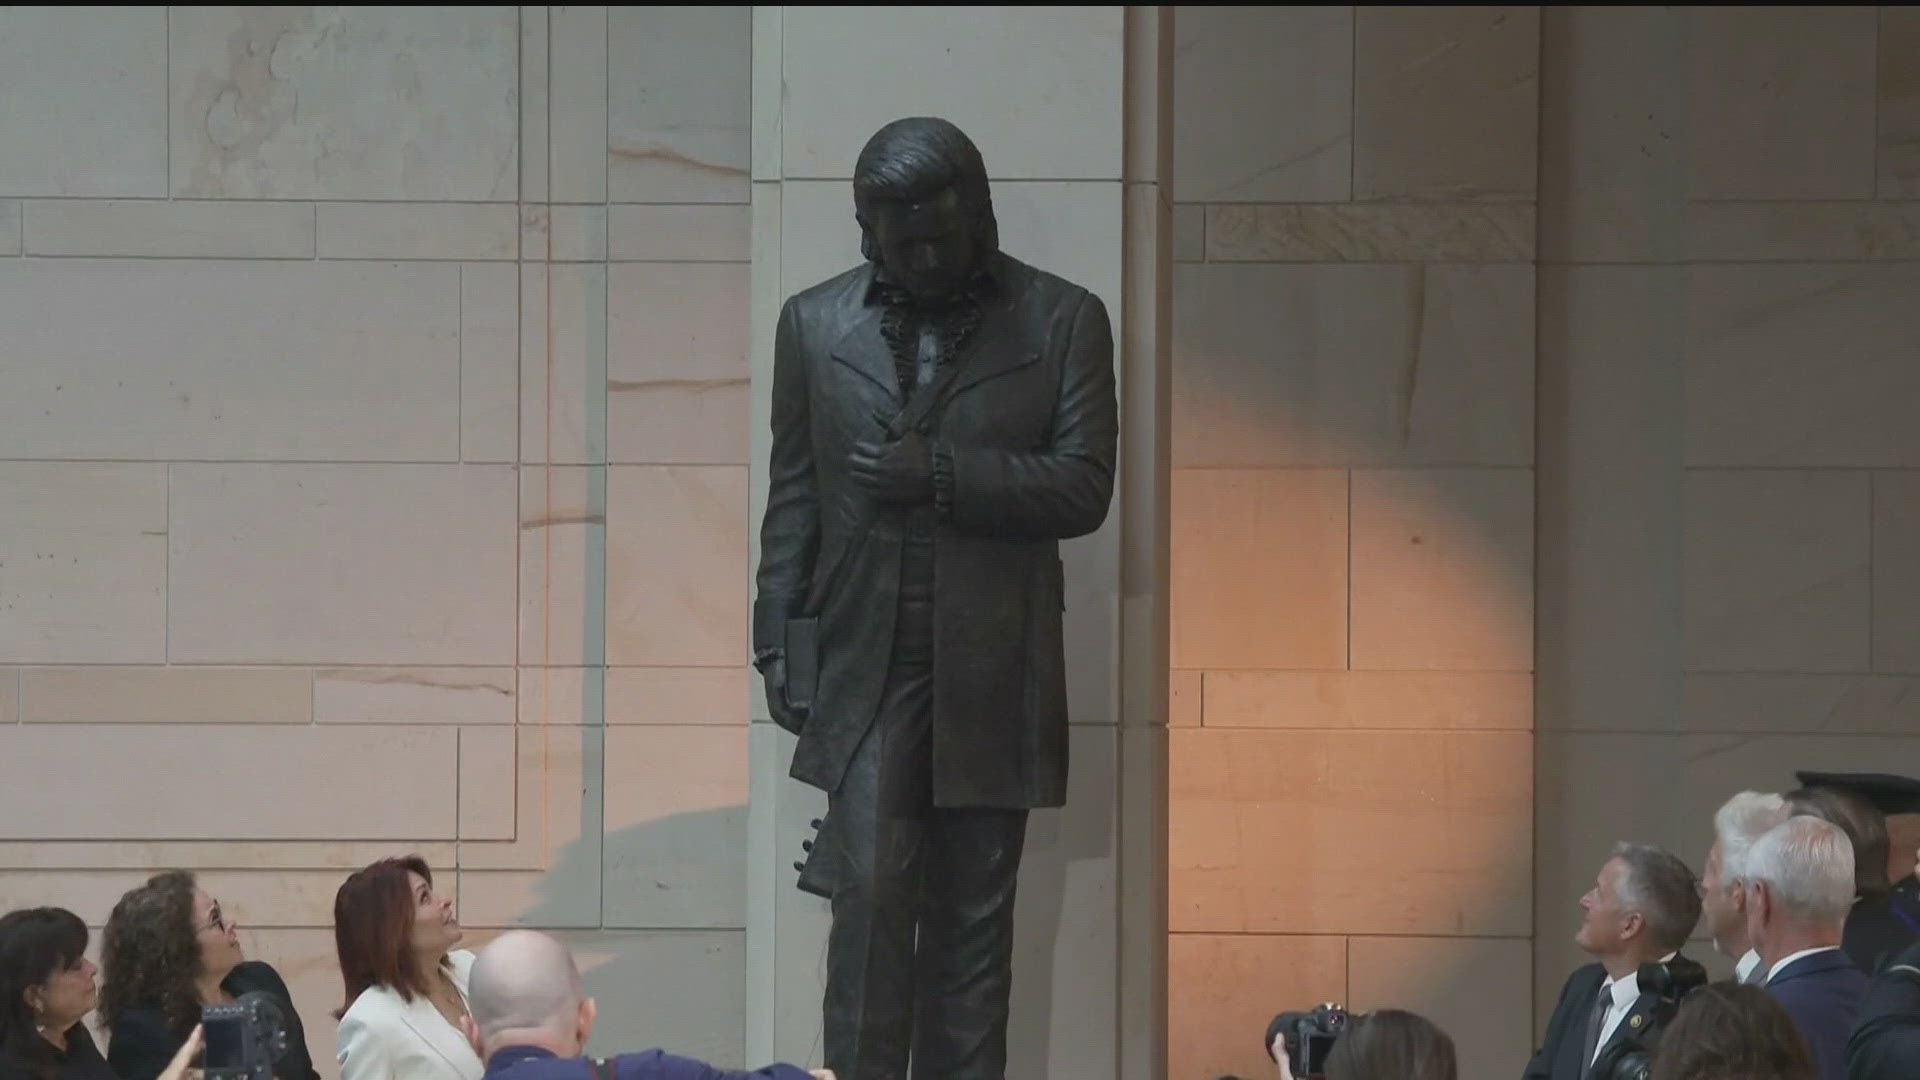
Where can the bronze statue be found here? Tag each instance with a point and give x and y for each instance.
(943, 416)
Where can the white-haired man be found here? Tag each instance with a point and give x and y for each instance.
(530, 1019)
(1799, 885)
(1737, 825)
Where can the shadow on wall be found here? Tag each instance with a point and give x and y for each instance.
(655, 914)
(674, 979)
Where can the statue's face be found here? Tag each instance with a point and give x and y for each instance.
(927, 246)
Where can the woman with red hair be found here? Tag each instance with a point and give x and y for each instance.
(406, 985)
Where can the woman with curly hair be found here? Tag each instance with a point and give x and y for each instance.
(46, 987)
(406, 985)
(170, 950)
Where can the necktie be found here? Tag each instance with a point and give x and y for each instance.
(1758, 976)
(1595, 1022)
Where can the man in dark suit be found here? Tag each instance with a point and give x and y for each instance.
(1799, 889)
(943, 416)
(1886, 1043)
(1641, 909)
(1885, 917)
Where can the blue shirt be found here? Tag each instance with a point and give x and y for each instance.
(535, 1063)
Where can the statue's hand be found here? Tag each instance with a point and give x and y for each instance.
(895, 472)
(774, 674)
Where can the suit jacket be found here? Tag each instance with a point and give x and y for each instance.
(1822, 993)
(142, 1042)
(1886, 1043)
(383, 1037)
(1880, 927)
(534, 1063)
(1559, 1055)
(1031, 424)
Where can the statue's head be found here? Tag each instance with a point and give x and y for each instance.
(920, 196)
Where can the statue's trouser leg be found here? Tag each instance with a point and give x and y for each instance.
(965, 963)
(879, 826)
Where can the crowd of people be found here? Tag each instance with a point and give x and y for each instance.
(415, 1006)
(1805, 893)
(1819, 914)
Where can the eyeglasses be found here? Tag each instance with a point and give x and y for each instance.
(215, 920)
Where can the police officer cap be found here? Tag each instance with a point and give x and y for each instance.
(1885, 793)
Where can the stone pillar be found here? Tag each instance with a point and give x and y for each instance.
(1065, 107)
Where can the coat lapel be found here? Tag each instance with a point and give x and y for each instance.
(1634, 1024)
(995, 350)
(864, 349)
(997, 346)
(433, 1030)
(1002, 344)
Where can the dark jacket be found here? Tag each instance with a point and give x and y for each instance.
(533, 1063)
(1559, 1056)
(1031, 424)
(81, 1060)
(1879, 927)
(1886, 1040)
(143, 1041)
(1822, 993)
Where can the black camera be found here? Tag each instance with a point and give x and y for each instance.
(1630, 1055)
(243, 1041)
(1309, 1037)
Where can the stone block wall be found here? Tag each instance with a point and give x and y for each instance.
(1673, 250)
(373, 450)
(1351, 765)
(1728, 458)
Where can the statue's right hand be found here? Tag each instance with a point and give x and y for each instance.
(774, 673)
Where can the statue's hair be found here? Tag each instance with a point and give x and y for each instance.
(918, 157)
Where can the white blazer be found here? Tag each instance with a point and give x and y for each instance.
(384, 1038)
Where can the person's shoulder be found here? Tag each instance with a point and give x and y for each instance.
(255, 975)
(12, 1066)
(1583, 981)
(834, 290)
(141, 1023)
(657, 1064)
(637, 1065)
(1042, 286)
(375, 1009)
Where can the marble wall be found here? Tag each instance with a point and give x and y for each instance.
(1373, 795)
(1729, 469)
(1351, 766)
(373, 444)
(374, 409)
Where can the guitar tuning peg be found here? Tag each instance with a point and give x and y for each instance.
(799, 868)
(815, 823)
(806, 845)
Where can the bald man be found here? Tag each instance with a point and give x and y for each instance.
(530, 1019)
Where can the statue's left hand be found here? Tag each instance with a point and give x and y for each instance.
(895, 472)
